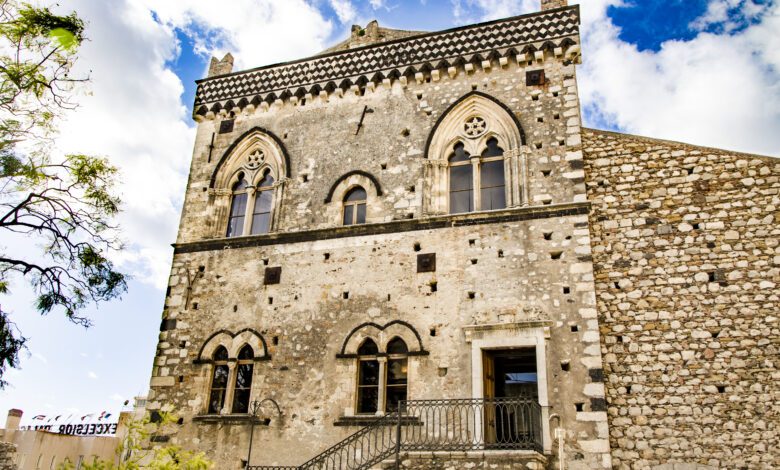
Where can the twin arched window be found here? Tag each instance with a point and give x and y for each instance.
(483, 192)
(251, 207)
(241, 382)
(382, 378)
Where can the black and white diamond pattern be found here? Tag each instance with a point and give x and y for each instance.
(445, 48)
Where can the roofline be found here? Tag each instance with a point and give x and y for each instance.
(394, 41)
(674, 142)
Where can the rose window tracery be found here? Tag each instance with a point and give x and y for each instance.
(475, 127)
(255, 160)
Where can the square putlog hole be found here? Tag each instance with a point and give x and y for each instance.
(226, 126)
(426, 263)
(534, 78)
(272, 275)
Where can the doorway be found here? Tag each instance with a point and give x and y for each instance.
(511, 392)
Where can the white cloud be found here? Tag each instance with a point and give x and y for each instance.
(377, 4)
(344, 10)
(728, 15)
(256, 32)
(133, 113)
(92, 375)
(719, 90)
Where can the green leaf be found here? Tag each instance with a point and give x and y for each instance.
(65, 38)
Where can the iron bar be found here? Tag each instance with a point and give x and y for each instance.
(435, 425)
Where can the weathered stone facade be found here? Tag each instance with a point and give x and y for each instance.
(536, 274)
(685, 246)
(7, 456)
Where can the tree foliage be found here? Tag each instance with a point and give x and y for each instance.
(137, 452)
(60, 206)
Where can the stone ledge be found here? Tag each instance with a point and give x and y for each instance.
(399, 226)
(368, 420)
(230, 419)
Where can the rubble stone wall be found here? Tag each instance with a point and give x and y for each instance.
(7, 456)
(687, 264)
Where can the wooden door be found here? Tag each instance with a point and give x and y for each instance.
(489, 392)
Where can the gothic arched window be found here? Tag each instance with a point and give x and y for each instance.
(461, 181)
(355, 206)
(219, 381)
(251, 176)
(264, 202)
(477, 159)
(397, 373)
(368, 378)
(238, 207)
(243, 386)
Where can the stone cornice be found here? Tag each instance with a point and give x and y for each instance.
(429, 223)
(521, 38)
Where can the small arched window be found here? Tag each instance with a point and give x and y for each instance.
(397, 369)
(243, 386)
(355, 206)
(461, 181)
(264, 202)
(368, 378)
(219, 381)
(491, 177)
(238, 207)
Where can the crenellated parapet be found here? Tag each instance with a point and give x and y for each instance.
(522, 40)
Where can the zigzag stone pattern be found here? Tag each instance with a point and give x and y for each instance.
(520, 35)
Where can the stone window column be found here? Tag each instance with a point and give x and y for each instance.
(524, 155)
(380, 404)
(220, 209)
(231, 387)
(476, 184)
(435, 199)
(251, 192)
(278, 189)
(511, 178)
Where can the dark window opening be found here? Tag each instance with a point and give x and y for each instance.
(461, 181)
(243, 384)
(355, 206)
(219, 381)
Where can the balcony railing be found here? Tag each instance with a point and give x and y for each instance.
(435, 425)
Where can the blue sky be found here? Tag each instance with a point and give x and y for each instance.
(700, 71)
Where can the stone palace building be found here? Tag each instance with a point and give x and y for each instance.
(408, 251)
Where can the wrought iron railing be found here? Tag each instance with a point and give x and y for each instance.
(434, 425)
(473, 424)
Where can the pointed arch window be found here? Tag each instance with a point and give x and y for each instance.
(219, 380)
(264, 202)
(238, 207)
(368, 378)
(397, 374)
(243, 385)
(355, 206)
